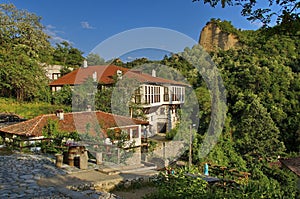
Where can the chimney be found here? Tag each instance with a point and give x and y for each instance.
(153, 73)
(95, 76)
(89, 108)
(60, 114)
(85, 65)
(119, 74)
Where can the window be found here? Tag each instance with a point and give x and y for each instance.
(57, 88)
(135, 133)
(156, 94)
(147, 94)
(55, 76)
(152, 94)
(166, 94)
(177, 93)
(174, 93)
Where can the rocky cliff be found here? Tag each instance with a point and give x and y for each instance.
(213, 38)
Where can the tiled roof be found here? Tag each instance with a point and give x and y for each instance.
(106, 74)
(146, 78)
(72, 122)
(293, 164)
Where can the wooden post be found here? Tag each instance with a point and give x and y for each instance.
(59, 160)
(164, 150)
(98, 158)
(83, 159)
(190, 148)
(119, 155)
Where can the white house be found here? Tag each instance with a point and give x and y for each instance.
(160, 98)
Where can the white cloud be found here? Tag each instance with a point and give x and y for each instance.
(130, 58)
(257, 24)
(54, 34)
(86, 25)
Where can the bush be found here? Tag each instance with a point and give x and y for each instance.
(180, 184)
(57, 138)
(171, 134)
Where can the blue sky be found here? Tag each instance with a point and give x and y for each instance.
(85, 24)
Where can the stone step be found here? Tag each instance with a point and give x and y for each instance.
(140, 169)
(125, 169)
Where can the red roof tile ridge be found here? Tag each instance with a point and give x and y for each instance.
(37, 123)
(5, 127)
(16, 124)
(111, 114)
(78, 112)
(147, 78)
(125, 117)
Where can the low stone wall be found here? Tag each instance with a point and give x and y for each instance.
(109, 185)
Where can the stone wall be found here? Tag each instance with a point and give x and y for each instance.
(165, 152)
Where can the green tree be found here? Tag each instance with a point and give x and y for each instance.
(68, 56)
(103, 99)
(137, 62)
(256, 133)
(63, 96)
(22, 46)
(83, 95)
(94, 59)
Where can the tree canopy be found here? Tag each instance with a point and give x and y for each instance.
(23, 45)
(24, 48)
(285, 11)
(94, 59)
(66, 55)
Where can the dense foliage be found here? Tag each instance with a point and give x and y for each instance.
(189, 183)
(24, 50)
(23, 44)
(94, 59)
(284, 11)
(262, 83)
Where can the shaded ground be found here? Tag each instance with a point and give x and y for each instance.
(95, 179)
(5, 151)
(160, 137)
(135, 193)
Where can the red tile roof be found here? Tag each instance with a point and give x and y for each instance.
(106, 74)
(72, 122)
(146, 78)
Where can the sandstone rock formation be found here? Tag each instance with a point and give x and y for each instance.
(213, 38)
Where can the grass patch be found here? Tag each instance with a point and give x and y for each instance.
(28, 110)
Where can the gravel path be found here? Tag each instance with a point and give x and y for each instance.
(19, 174)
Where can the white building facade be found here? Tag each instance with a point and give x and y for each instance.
(161, 104)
